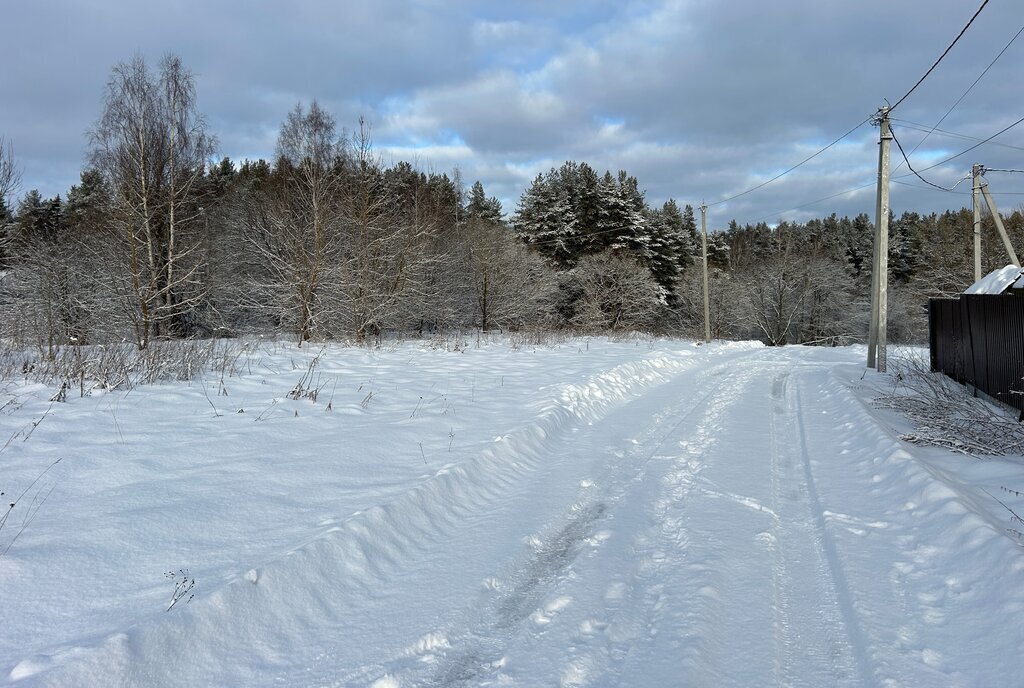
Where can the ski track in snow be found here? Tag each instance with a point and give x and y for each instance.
(731, 516)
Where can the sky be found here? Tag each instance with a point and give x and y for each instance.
(699, 99)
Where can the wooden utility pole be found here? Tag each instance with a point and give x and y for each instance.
(704, 260)
(880, 266)
(976, 171)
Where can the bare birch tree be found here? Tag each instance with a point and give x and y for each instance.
(10, 177)
(152, 148)
(295, 224)
(384, 255)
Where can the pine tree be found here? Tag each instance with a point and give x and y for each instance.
(719, 251)
(615, 225)
(637, 236)
(587, 203)
(254, 171)
(88, 203)
(482, 208)
(37, 219)
(220, 178)
(546, 221)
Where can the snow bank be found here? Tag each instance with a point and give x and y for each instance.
(280, 509)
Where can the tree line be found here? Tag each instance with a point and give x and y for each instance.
(324, 241)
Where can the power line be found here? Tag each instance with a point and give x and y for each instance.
(944, 53)
(959, 193)
(860, 124)
(968, 150)
(929, 131)
(980, 143)
(911, 167)
(965, 93)
(815, 202)
(782, 174)
(925, 188)
(780, 213)
(994, 169)
(916, 126)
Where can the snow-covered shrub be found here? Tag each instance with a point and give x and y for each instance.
(943, 413)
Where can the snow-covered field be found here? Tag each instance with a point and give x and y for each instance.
(592, 513)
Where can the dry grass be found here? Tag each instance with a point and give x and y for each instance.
(81, 369)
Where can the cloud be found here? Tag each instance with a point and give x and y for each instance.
(699, 99)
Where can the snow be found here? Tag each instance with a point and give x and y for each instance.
(997, 281)
(595, 512)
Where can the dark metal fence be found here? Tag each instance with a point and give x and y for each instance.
(978, 340)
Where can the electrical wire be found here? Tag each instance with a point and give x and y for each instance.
(907, 124)
(779, 214)
(782, 174)
(958, 193)
(965, 93)
(860, 124)
(967, 150)
(943, 55)
(924, 188)
(911, 167)
(928, 130)
(815, 202)
(914, 172)
(995, 169)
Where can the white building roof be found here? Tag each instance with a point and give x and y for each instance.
(997, 281)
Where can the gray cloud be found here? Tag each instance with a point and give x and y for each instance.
(700, 99)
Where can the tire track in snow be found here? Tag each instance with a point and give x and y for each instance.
(680, 606)
(699, 585)
(711, 597)
(479, 652)
(826, 546)
(784, 644)
(637, 603)
(645, 635)
(815, 642)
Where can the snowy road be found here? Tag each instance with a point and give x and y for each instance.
(738, 517)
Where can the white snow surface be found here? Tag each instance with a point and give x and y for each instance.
(594, 513)
(997, 281)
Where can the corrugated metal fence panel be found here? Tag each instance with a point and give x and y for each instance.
(978, 340)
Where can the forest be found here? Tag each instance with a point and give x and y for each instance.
(325, 242)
